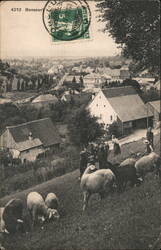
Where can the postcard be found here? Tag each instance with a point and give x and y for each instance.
(80, 159)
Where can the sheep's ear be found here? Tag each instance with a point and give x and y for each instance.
(6, 231)
(19, 220)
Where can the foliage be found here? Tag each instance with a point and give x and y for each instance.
(10, 115)
(114, 129)
(151, 95)
(134, 84)
(29, 112)
(58, 111)
(135, 25)
(83, 128)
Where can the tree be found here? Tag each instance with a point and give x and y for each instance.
(135, 25)
(114, 129)
(134, 84)
(10, 115)
(83, 128)
(151, 95)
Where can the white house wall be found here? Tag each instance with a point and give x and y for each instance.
(6, 140)
(31, 154)
(101, 108)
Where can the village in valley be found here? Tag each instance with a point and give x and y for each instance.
(40, 91)
(43, 99)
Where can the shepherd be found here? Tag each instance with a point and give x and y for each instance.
(116, 145)
(83, 161)
(150, 136)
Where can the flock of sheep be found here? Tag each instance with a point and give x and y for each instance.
(93, 180)
(40, 210)
(131, 170)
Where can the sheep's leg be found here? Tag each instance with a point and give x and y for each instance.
(34, 217)
(86, 199)
(124, 185)
(102, 195)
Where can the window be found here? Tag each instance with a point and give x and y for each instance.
(104, 106)
(111, 117)
(96, 105)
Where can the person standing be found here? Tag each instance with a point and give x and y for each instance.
(150, 136)
(101, 156)
(106, 150)
(116, 145)
(83, 161)
(149, 148)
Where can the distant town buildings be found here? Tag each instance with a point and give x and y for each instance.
(44, 100)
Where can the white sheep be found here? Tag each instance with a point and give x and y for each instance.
(96, 181)
(2, 223)
(147, 163)
(51, 201)
(38, 209)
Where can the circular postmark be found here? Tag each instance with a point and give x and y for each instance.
(67, 20)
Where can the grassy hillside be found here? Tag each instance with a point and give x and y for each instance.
(129, 220)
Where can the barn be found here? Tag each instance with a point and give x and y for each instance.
(122, 105)
(27, 140)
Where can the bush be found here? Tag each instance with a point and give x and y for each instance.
(114, 129)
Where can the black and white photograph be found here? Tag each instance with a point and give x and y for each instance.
(80, 121)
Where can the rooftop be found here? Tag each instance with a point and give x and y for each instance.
(127, 103)
(156, 105)
(42, 129)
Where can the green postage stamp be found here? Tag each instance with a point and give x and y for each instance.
(67, 20)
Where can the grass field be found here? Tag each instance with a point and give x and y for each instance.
(130, 220)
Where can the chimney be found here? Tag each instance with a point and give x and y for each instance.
(30, 136)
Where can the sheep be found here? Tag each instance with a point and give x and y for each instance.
(2, 223)
(38, 209)
(96, 181)
(11, 216)
(51, 201)
(124, 172)
(148, 163)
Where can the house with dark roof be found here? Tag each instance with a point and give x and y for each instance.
(28, 140)
(121, 104)
(155, 108)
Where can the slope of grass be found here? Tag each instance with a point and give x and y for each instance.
(129, 220)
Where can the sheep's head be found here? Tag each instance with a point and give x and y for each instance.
(53, 214)
(91, 168)
(41, 219)
(20, 226)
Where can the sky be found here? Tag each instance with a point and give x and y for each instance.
(22, 34)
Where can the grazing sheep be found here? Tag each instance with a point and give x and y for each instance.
(124, 172)
(11, 216)
(2, 223)
(96, 181)
(148, 163)
(38, 208)
(51, 201)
